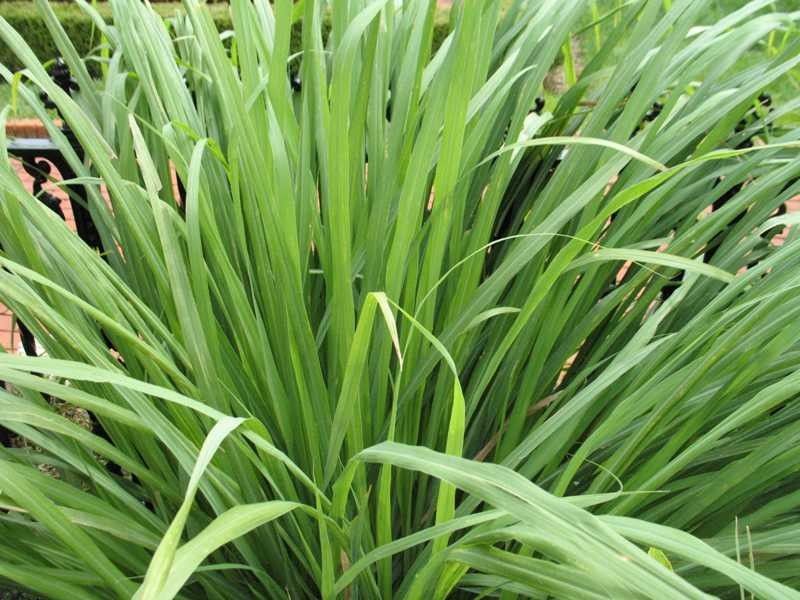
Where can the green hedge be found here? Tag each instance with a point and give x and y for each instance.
(24, 17)
(26, 20)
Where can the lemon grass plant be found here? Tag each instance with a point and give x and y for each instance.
(397, 334)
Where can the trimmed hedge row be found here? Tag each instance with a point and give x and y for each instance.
(24, 17)
(29, 24)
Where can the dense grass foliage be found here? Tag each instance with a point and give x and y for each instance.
(384, 344)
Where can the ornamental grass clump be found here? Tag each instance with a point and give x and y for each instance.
(386, 331)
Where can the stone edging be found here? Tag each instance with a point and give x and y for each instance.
(26, 128)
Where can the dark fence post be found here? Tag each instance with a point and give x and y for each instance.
(84, 224)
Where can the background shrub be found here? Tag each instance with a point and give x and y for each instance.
(23, 16)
